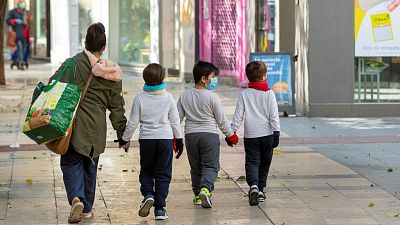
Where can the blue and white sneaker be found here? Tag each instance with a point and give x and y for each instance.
(145, 206)
(261, 196)
(161, 214)
(253, 195)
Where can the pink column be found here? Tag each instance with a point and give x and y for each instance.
(242, 54)
(205, 29)
(205, 38)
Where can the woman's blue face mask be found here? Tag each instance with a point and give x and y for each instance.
(212, 84)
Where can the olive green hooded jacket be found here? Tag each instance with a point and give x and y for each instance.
(90, 128)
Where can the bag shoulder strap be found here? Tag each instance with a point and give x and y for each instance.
(86, 88)
(84, 92)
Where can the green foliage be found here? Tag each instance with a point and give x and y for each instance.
(375, 64)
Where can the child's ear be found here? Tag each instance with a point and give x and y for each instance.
(203, 79)
(264, 77)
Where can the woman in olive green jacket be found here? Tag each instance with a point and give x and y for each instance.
(88, 141)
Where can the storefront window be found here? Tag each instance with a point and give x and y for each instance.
(41, 31)
(265, 25)
(38, 20)
(377, 79)
(377, 51)
(134, 32)
(85, 20)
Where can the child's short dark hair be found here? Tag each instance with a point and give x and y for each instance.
(203, 68)
(255, 71)
(95, 37)
(153, 74)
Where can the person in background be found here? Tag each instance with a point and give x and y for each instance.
(18, 19)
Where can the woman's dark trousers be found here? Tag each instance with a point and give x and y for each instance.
(79, 174)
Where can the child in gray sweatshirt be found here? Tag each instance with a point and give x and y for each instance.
(156, 111)
(204, 114)
(258, 108)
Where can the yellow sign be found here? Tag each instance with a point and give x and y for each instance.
(382, 27)
(380, 19)
(377, 28)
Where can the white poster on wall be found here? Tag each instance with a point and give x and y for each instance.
(377, 28)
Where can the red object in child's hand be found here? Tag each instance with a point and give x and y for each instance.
(178, 147)
(175, 150)
(234, 139)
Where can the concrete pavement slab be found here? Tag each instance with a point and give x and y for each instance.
(306, 177)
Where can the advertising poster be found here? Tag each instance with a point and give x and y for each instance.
(279, 74)
(377, 28)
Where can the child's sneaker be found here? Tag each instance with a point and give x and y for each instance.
(253, 195)
(160, 214)
(261, 196)
(196, 200)
(205, 198)
(147, 203)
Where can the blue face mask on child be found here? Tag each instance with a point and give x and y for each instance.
(161, 86)
(212, 84)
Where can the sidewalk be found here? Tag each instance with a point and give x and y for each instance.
(304, 186)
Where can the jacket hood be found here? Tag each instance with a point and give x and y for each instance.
(106, 79)
(106, 69)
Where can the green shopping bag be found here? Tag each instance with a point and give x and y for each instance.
(53, 108)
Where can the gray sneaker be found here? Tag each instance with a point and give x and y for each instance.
(253, 195)
(161, 214)
(145, 206)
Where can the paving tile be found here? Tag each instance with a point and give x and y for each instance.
(34, 210)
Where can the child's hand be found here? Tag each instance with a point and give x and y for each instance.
(126, 146)
(123, 144)
(276, 139)
(228, 142)
(232, 140)
(178, 147)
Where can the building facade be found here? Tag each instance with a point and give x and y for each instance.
(332, 76)
(344, 68)
(333, 79)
